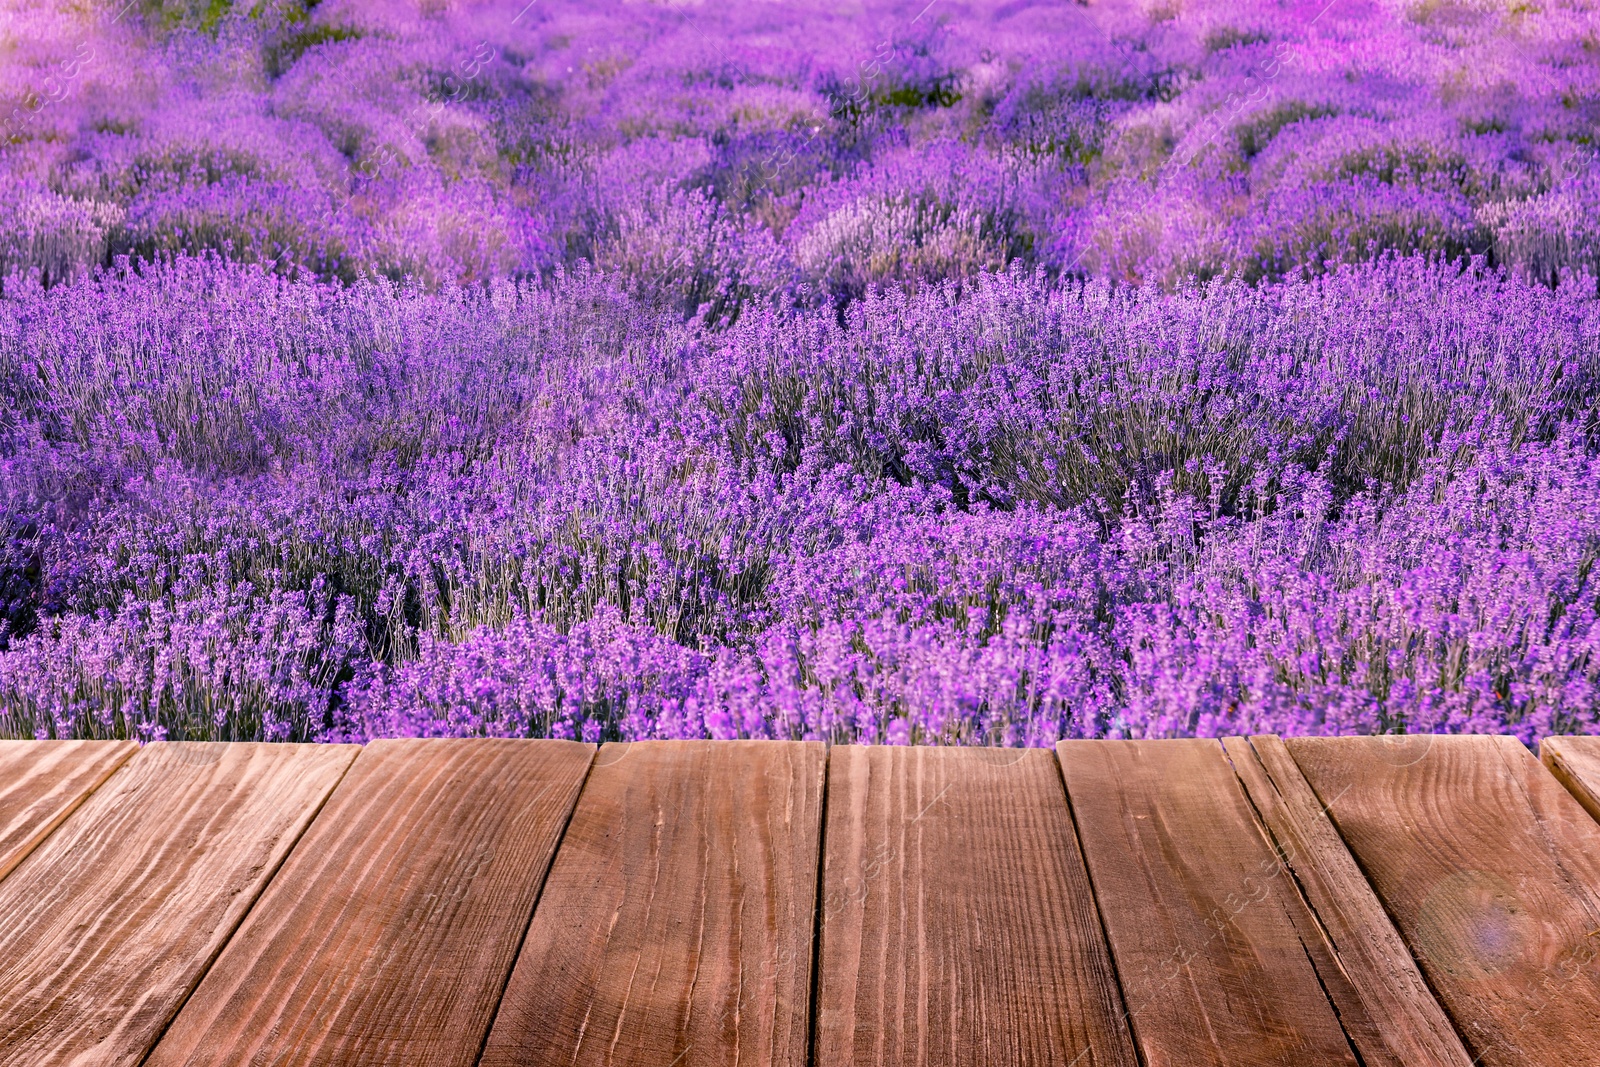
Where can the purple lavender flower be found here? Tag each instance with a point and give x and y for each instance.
(986, 375)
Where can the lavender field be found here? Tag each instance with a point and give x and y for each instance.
(952, 372)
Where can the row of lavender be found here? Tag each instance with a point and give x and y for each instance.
(237, 505)
(715, 155)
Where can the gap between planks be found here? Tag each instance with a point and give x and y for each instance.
(106, 927)
(387, 936)
(1408, 1027)
(1218, 956)
(43, 782)
(1490, 871)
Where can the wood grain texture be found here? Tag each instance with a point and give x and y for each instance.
(1215, 949)
(108, 925)
(1396, 1020)
(958, 924)
(1491, 871)
(676, 925)
(388, 935)
(1575, 761)
(42, 782)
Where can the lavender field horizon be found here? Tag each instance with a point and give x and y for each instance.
(952, 372)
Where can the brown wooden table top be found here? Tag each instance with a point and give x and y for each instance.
(1309, 901)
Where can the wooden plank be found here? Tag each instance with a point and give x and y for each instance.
(1491, 872)
(1575, 761)
(388, 935)
(1397, 1021)
(1219, 960)
(676, 925)
(106, 927)
(958, 924)
(42, 782)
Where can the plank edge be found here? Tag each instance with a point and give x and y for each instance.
(1557, 763)
(353, 751)
(1127, 1029)
(538, 895)
(124, 751)
(1426, 1026)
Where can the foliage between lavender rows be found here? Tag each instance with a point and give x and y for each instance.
(238, 505)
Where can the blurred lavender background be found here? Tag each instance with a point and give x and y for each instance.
(960, 373)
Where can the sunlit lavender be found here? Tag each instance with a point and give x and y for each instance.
(963, 373)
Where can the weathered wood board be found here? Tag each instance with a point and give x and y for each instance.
(1491, 871)
(108, 925)
(42, 782)
(676, 926)
(958, 925)
(1575, 761)
(1218, 957)
(1397, 1021)
(389, 934)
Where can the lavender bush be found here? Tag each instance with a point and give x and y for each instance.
(965, 373)
(1004, 512)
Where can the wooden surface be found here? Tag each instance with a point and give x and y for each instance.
(676, 927)
(1397, 1021)
(42, 782)
(958, 925)
(1575, 762)
(1491, 871)
(106, 927)
(388, 936)
(1216, 965)
(1382, 902)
